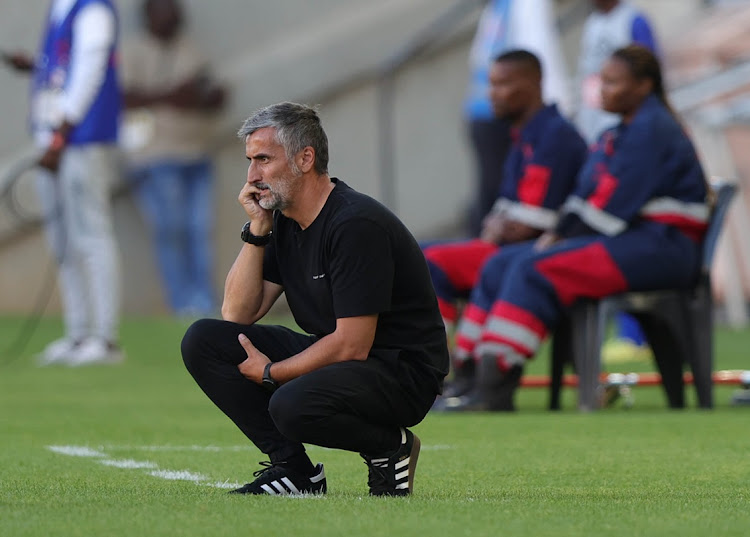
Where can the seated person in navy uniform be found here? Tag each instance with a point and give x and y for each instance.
(635, 223)
(540, 172)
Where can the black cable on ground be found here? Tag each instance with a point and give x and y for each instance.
(19, 344)
(8, 197)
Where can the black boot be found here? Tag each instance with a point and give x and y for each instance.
(494, 390)
(464, 380)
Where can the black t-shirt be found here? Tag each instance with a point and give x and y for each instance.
(357, 258)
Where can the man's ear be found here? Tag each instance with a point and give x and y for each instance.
(306, 159)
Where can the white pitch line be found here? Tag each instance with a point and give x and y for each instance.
(223, 485)
(181, 475)
(436, 447)
(127, 463)
(77, 451)
(173, 475)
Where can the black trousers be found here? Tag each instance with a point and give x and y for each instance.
(491, 141)
(357, 406)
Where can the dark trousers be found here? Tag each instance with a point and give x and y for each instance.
(355, 405)
(491, 141)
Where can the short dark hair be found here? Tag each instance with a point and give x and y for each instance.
(297, 126)
(523, 57)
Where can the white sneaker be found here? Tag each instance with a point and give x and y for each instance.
(94, 351)
(57, 352)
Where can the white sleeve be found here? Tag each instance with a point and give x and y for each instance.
(93, 34)
(532, 27)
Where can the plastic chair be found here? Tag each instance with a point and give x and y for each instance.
(678, 324)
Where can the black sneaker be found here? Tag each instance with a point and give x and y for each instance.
(394, 475)
(280, 480)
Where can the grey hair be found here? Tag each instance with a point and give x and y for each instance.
(297, 126)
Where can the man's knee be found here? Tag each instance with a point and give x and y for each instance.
(195, 342)
(290, 413)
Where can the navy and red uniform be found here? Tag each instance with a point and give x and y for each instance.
(635, 222)
(540, 172)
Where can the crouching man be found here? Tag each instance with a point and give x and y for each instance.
(374, 354)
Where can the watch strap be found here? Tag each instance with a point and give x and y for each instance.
(268, 380)
(255, 240)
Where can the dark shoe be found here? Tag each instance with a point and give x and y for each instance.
(464, 380)
(497, 388)
(280, 480)
(394, 475)
(469, 402)
(494, 392)
(463, 383)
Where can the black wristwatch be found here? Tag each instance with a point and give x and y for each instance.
(268, 382)
(254, 239)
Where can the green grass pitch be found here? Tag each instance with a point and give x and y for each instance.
(138, 450)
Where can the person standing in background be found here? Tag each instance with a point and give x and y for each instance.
(75, 108)
(506, 25)
(172, 103)
(613, 24)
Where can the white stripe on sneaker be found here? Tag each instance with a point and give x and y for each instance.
(401, 464)
(269, 490)
(288, 483)
(278, 486)
(320, 477)
(402, 475)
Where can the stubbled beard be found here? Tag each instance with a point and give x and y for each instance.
(273, 203)
(279, 199)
